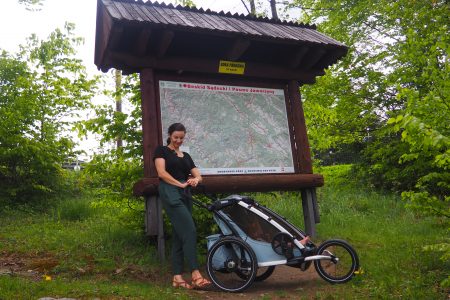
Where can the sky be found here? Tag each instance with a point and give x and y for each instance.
(17, 23)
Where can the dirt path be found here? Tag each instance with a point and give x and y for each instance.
(285, 283)
(32, 267)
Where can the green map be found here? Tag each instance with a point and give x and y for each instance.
(230, 129)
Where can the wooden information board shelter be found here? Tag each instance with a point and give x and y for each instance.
(166, 43)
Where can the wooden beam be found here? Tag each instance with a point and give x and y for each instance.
(150, 128)
(129, 63)
(295, 61)
(313, 56)
(146, 186)
(240, 183)
(300, 133)
(164, 43)
(142, 42)
(102, 34)
(291, 128)
(330, 58)
(238, 48)
(115, 37)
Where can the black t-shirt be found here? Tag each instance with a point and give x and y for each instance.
(178, 167)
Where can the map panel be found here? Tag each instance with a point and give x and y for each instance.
(230, 129)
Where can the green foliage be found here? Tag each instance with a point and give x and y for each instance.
(186, 3)
(111, 124)
(393, 85)
(74, 210)
(32, 5)
(397, 64)
(41, 88)
(113, 174)
(111, 178)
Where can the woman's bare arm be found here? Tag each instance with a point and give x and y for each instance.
(197, 177)
(160, 164)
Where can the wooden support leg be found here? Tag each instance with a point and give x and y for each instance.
(308, 212)
(315, 206)
(161, 240)
(151, 220)
(154, 223)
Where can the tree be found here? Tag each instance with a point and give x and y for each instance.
(121, 167)
(393, 47)
(42, 88)
(32, 4)
(394, 82)
(252, 10)
(188, 3)
(118, 96)
(273, 9)
(252, 7)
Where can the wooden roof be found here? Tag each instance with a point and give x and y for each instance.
(132, 35)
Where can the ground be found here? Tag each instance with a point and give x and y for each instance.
(285, 282)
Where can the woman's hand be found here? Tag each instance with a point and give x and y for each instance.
(196, 178)
(184, 185)
(193, 181)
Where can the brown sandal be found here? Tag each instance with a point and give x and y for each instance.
(181, 284)
(200, 283)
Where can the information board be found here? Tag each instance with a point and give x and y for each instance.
(230, 129)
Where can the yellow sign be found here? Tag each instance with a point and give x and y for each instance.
(231, 67)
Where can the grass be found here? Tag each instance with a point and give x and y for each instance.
(91, 250)
(388, 238)
(87, 251)
(20, 288)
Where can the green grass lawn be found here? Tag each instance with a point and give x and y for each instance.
(388, 238)
(89, 250)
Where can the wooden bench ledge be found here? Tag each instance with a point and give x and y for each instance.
(240, 183)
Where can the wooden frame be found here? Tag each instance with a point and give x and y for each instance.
(301, 178)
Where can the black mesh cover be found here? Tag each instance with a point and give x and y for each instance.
(253, 225)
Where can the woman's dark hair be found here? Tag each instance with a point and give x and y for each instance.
(175, 127)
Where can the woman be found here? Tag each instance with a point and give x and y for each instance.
(176, 171)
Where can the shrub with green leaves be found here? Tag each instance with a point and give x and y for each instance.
(40, 88)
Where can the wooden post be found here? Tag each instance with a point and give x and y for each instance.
(161, 240)
(151, 225)
(309, 203)
(300, 134)
(308, 212)
(154, 224)
(315, 206)
(150, 130)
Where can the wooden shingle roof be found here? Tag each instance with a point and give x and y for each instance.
(130, 32)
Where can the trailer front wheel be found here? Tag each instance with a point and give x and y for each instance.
(341, 264)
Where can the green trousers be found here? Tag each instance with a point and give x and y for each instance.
(184, 241)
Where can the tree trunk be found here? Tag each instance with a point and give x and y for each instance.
(273, 7)
(118, 77)
(252, 7)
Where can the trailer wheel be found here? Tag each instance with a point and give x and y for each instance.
(231, 264)
(342, 264)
